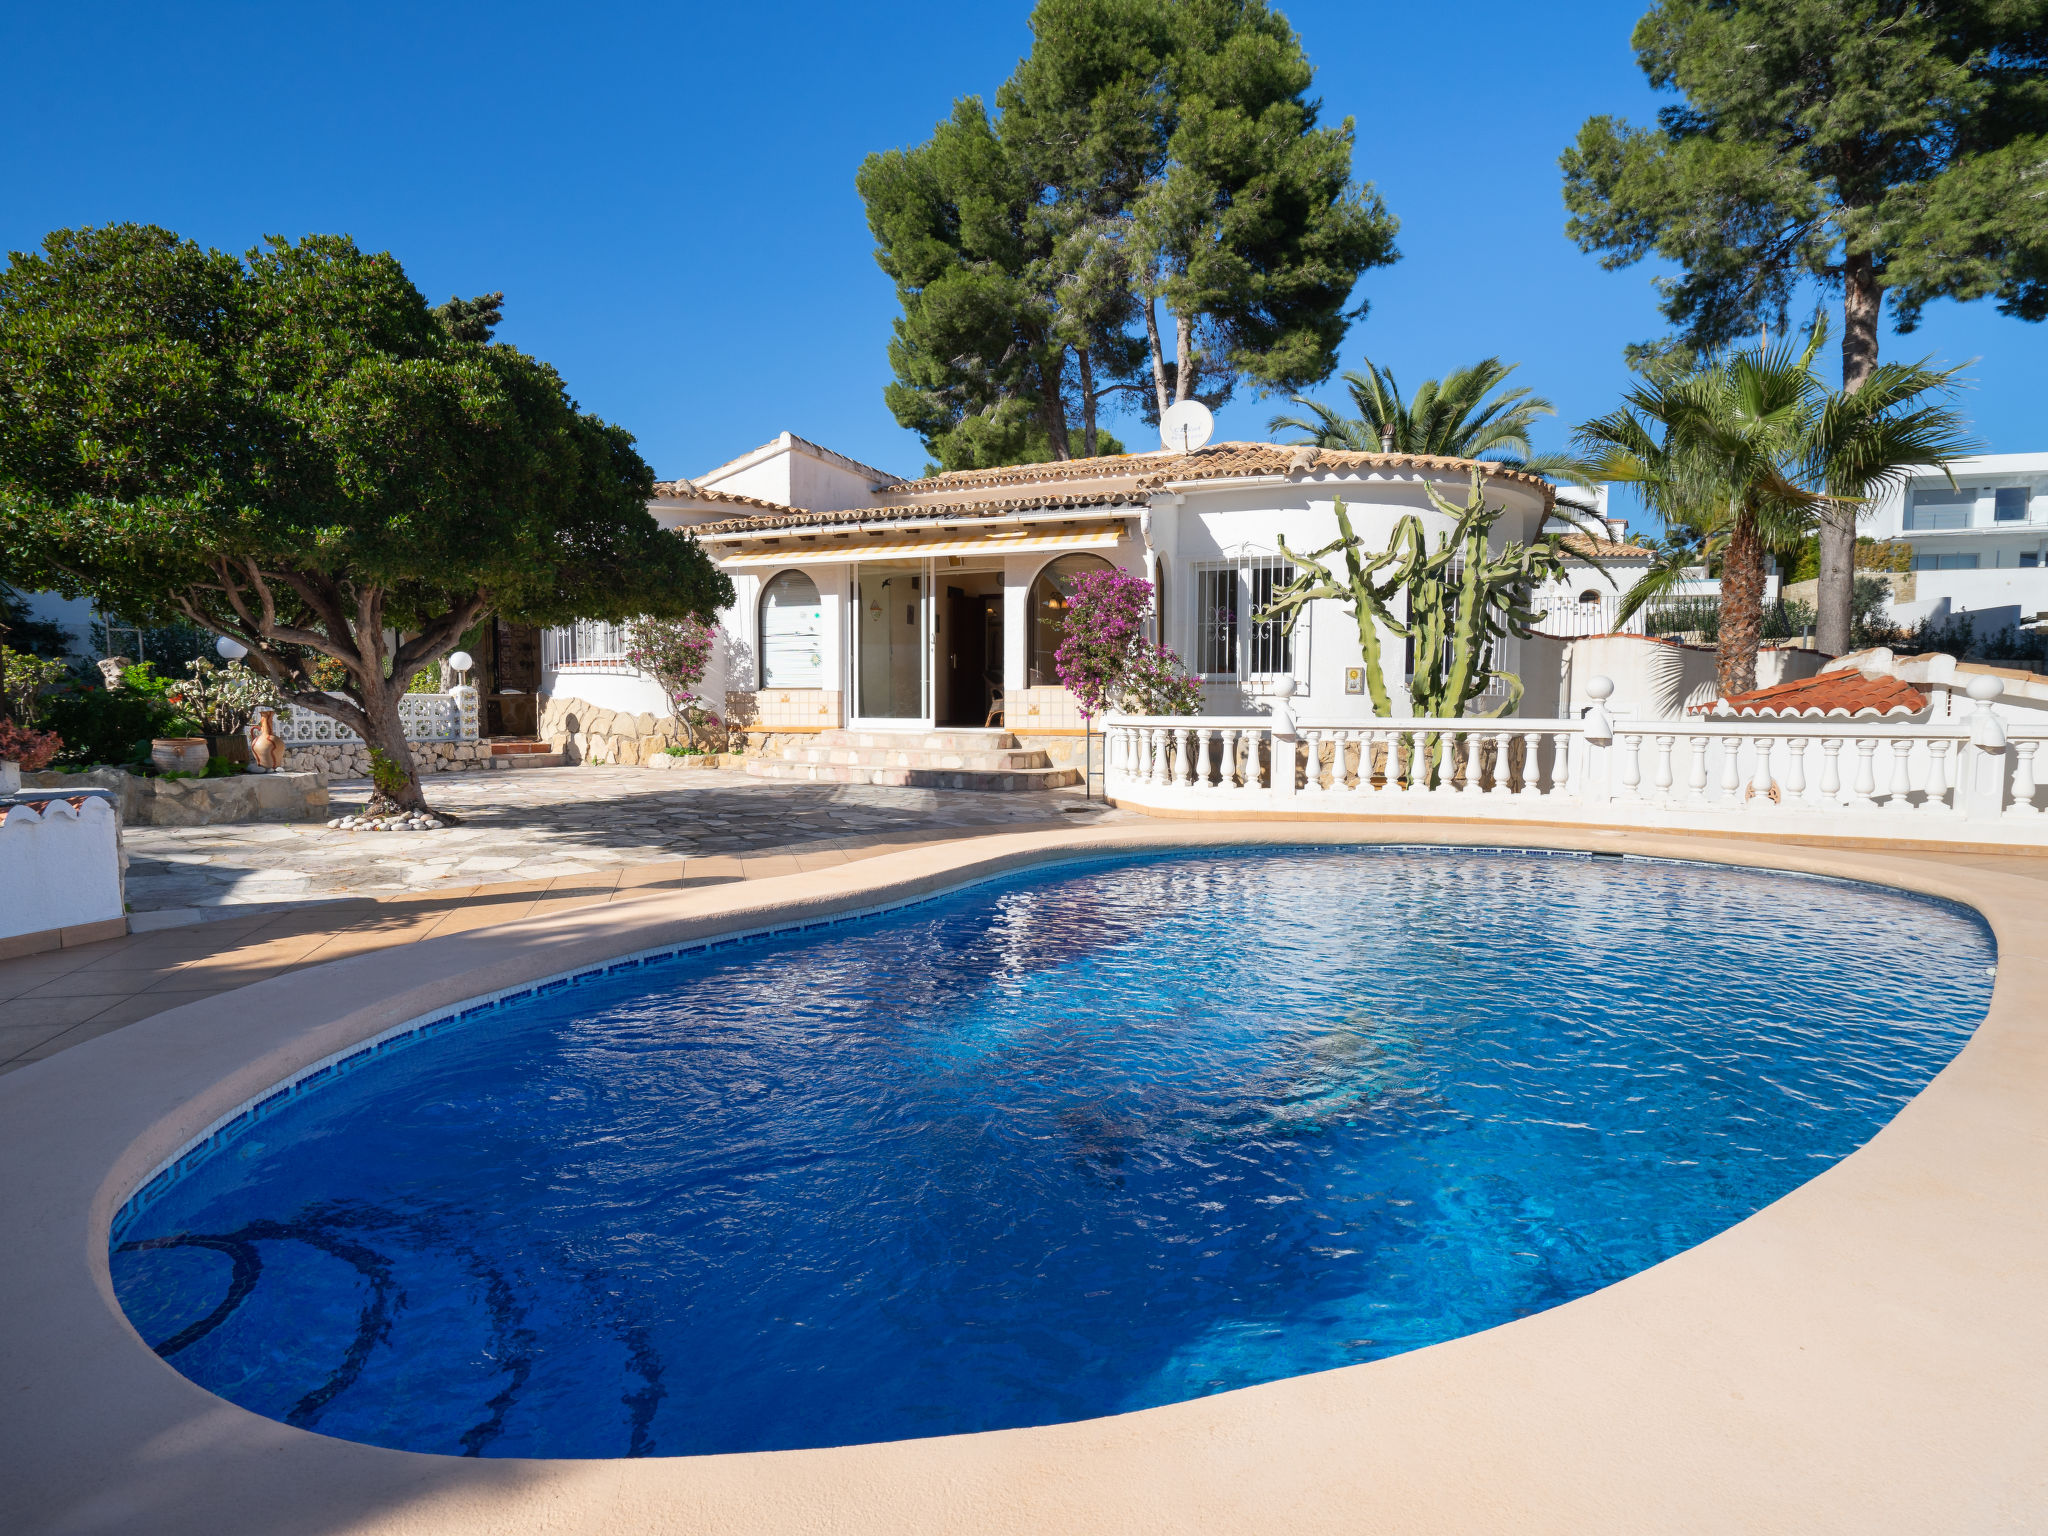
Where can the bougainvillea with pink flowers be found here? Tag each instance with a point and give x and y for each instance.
(676, 653)
(1107, 661)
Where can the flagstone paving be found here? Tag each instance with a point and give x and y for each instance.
(543, 824)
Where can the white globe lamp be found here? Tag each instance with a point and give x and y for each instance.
(230, 650)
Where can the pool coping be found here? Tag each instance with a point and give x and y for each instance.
(1869, 1353)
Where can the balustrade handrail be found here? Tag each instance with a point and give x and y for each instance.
(1698, 725)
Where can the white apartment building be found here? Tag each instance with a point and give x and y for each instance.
(1980, 545)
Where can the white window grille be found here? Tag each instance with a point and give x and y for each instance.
(1230, 644)
(586, 643)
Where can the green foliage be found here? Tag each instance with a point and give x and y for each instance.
(1871, 555)
(1146, 151)
(1748, 453)
(292, 449)
(25, 681)
(1875, 145)
(103, 726)
(1461, 598)
(388, 774)
(165, 645)
(1451, 418)
(224, 699)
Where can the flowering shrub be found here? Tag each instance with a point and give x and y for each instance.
(223, 699)
(1105, 658)
(676, 653)
(32, 749)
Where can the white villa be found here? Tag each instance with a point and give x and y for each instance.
(872, 604)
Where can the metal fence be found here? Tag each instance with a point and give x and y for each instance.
(586, 643)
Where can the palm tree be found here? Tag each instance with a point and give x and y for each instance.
(1861, 445)
(1450, 418)
(1718, 450)
(1746, 454)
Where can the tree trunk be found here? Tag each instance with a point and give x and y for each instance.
(387, 735)
(1862, 303)
(1052, 408)
(1158, 357)
(1837, 588)
(1742, 603)
(1087, 366)
(1183, 358)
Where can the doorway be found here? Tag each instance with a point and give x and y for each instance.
(890, 679)
(970, 649)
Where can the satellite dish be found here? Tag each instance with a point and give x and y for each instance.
(1186, 426)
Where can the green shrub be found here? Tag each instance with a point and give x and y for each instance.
(386, 774)
(99, 726)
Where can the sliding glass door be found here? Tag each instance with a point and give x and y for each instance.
(891, 647)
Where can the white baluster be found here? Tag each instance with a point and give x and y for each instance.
(1226, 761)
(1315, 759)
(1866, 773)
(1662, 778)
(1761, 783)
(1900, 785)
(1795, 774)
(2023, 779)
(1696, 779)
(1532, 766)
(1205, 748)
(1731, 772)
(1156, 736)
(1560, 779)
(1188, 767)
(1830, 770)
(1937, 777)
(1630, 748)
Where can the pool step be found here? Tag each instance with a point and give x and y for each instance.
(985, 760)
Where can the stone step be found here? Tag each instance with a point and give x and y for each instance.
(517, 748)
(903, 777)
(1011, 761)
(918, 741)
(540, 759)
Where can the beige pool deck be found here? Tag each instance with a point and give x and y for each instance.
(1868, 1354)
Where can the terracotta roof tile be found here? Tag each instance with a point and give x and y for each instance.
(1119, 480)
(922, 512)
(1832, 695)
(1586, 546)
(689, 490)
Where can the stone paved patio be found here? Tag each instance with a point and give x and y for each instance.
(543, 824)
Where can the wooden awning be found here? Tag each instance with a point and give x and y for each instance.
(907, 544)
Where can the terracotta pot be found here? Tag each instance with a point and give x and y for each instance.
(233, 746)
(266, 747)
(179, 754)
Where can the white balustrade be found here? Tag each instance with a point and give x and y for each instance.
(1699, 772)
(450, 716)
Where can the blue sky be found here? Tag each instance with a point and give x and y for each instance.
(666, 193)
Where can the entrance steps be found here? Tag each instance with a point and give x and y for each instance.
(990, 760)
(522, 752)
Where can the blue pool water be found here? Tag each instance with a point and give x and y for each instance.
(1063, 1145)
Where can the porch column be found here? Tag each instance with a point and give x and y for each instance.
(1018, 571)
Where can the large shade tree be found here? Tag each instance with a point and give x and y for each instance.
(1884, 148)
(292, 449)
(1147, 155)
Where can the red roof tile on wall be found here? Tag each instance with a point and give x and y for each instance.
(1832, 695)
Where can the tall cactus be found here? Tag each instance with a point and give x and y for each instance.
(1363, 590)
(1460, 599)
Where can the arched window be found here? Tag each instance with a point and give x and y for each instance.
(1590, 595)
(792, 633)
(1049, 594)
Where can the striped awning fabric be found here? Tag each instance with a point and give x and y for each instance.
(982, 543)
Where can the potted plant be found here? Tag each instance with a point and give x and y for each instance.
(223, 700)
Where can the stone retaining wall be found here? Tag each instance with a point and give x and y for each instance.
(351, 759)
(147, 802)
(584, 733)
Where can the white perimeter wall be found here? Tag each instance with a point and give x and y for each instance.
(59, 867)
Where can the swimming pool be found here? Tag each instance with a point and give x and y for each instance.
(1059, 1145)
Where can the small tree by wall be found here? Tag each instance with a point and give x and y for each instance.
(676, 653)
(1107, 661)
